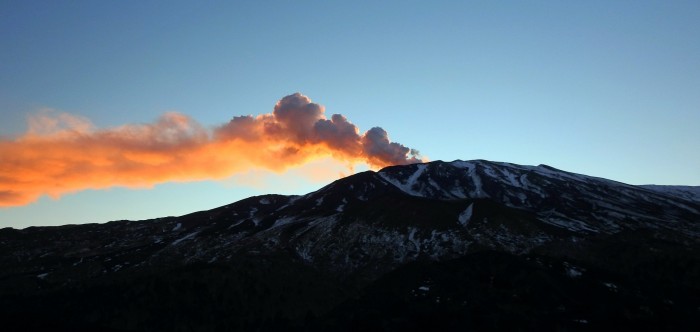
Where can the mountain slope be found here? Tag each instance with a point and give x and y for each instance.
(299, 257)
(575, 202)
(684, 192)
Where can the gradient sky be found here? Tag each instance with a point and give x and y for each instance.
(604, 88)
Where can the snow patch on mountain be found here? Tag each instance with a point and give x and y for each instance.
(284, 221)
(466, 215)
(457, 190)
(341, 207)
(411, 181)
(185, 238)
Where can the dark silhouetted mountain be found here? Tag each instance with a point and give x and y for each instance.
(464, 245)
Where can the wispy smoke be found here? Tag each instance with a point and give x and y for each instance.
(64, 153)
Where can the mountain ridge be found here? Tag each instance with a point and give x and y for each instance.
(354, 232)
(455, 198)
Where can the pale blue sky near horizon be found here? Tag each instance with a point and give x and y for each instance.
(603, 88)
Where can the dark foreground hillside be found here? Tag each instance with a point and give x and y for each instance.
(486, 290)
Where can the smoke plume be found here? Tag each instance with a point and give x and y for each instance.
(63, 153)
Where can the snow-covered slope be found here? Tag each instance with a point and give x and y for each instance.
(572, 201)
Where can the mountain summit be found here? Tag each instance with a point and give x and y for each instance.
(420, 237)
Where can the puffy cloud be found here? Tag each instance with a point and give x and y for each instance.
(339, 134)
(380, 150)
(296, 114)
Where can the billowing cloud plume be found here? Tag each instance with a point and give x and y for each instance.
(63, 153)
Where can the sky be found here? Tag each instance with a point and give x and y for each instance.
(604, 88)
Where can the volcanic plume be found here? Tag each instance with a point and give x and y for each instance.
(64, 153)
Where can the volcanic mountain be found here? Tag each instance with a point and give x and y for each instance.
(457, 245)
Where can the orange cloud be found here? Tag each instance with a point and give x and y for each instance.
(63, 153)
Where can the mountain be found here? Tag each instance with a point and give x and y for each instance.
(685, 192)
(464, 244)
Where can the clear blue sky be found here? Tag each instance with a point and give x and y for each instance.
(604, 88)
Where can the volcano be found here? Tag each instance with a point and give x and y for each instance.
(462, 245)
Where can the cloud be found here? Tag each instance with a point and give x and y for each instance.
(380, 150)
(61, 153)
